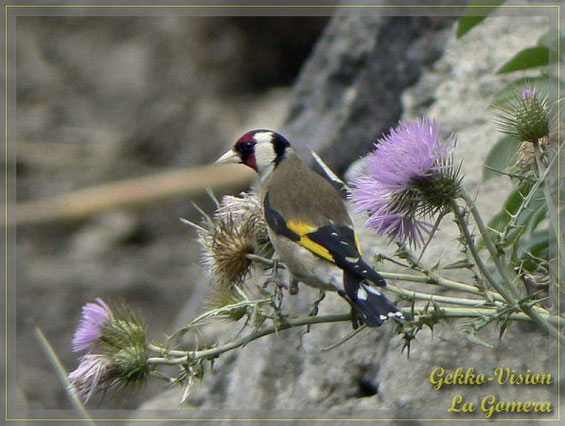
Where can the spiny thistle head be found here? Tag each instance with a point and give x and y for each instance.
(115, 340)
(409, 176)
(236, 230)
(527, 116)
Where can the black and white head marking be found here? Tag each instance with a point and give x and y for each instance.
(261, 150)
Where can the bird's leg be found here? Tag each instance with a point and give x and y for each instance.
(274, 276)
(355, 320)
(314, 311)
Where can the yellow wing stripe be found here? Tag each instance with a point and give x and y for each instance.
(357, 243)
(302, 229)
(316, 248)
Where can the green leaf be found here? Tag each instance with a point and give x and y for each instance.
(536, 249)
(539, 215)
(510, 207)
(531, 57)
(499, 157)
(537, 244)
(474, 16)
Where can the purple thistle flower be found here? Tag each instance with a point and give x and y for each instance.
(90, 371)
(403, 227)
(88, 332)
(410, 173)
(527, 94)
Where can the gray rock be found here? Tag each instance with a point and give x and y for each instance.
(349, 92)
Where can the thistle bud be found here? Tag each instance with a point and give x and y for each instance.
(527, 116)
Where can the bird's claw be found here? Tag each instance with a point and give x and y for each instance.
(280, 283)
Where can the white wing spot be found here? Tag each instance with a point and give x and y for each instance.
(352, 260)
(373, 290)
(344, 243)
(334, 234)
(361, 294)
(396, 314)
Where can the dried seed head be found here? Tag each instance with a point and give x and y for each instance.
(225, 248)
(246, 209)
(237, 229)
(525, 158)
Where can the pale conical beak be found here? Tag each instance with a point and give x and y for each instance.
(229, 157)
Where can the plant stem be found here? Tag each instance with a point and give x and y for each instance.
(510, 294)
(543, 172)
(443, 299)
(63, 377)
(440, 281)
(176, 357)
(207, 353)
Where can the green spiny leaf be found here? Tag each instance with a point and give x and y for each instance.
(500, 156)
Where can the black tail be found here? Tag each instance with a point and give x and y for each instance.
(372, 306)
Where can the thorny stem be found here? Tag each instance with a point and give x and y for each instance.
(429, 278)
(434, 279)
(437, 298)
(509, 294)
(461, 222)
(176, 357)
(210, 353)
(543, 172)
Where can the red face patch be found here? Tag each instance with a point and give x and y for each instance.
(245, 147)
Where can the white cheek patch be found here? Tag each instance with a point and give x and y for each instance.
(264, 156)
(263, 137)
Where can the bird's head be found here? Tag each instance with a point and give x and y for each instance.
(260, 149)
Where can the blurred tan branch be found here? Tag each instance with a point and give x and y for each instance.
(127, 193)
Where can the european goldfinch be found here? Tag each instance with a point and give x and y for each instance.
(309, 226)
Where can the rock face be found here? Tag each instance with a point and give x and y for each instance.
(351, 87)
(354, 85)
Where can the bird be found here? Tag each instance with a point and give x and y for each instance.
(310, 228)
